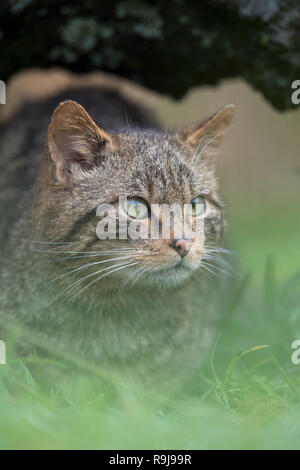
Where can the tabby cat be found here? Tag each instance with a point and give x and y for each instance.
(142, 305)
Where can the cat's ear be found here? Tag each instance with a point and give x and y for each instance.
(74, 138)
(205, 138)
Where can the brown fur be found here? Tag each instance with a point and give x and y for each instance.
(163, 320)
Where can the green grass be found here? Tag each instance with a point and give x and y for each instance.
(258, 234)
(246, 396)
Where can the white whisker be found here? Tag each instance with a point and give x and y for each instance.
(105, 275)
(203, 265)
(218, 268)
(79, 281)
(52, 243)
(125, 282)
(79, 268)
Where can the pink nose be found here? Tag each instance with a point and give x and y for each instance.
(182, 247)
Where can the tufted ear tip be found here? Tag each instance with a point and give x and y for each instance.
(227, 113)
(228, 110)
(211, 131)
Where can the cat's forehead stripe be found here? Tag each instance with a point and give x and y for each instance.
(164, 173)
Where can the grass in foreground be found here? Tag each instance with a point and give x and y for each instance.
(247, 395)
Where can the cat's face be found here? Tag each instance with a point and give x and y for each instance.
(143, 176)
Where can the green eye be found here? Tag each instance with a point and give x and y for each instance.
(136, 208)
(197, 206)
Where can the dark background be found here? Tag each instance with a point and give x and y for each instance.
(166, 46)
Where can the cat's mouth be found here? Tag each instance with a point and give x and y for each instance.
(171, 274)
(170, 267)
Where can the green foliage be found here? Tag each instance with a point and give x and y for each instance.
(246, 396)
(169, 49)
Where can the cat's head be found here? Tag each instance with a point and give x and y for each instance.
(134, 172)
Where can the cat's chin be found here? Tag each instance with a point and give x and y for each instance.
(170, 276)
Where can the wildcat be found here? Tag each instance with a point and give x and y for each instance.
(142, 305)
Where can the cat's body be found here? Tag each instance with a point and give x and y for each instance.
(155, 318)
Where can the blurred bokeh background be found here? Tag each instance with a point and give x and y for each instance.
(247, 395)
